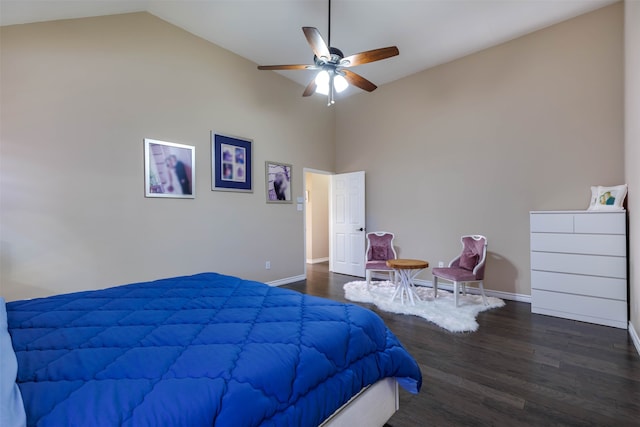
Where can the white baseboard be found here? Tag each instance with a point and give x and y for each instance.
(286, 280)
(380, 275)
(448, 286)
(474, 290)
(317, 260)
(634, 337)
(508, 295)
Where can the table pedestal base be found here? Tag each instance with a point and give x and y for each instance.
(405, 287)
(406, 271)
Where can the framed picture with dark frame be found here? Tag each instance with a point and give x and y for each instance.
(278, 179)
(231, 163)
(169, 169)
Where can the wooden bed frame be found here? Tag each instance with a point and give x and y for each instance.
(373, 406)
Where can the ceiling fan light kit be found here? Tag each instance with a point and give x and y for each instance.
(333, 77)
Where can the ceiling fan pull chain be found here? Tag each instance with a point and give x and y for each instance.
(331, 101)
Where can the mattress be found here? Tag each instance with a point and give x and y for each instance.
(207, 349)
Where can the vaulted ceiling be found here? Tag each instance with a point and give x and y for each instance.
(427, 32)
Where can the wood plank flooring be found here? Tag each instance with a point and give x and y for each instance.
(518, 369)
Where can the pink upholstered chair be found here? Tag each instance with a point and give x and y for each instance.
(379, 250)
(468, 267)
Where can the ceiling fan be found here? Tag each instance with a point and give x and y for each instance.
(333, 75)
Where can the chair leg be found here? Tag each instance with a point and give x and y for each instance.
(455, 293)
(368, 276)
(484, 297)
(391, 273)
(435, 287)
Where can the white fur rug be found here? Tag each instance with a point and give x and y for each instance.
(440, 311)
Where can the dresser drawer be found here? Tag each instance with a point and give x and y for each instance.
(601, 223)
(551, 223)
(588, 244)
(590, 309)
(593, 286)
(591, 265)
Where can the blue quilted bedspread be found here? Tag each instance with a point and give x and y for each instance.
(199, 350)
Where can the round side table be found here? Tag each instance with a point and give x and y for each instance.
(407, 270)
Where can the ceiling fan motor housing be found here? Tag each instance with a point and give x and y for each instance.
(336, 57)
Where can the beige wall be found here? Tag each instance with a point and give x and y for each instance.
(317, 209)
(528, 125)
(77, 99)
(632, 151)
(473, 145)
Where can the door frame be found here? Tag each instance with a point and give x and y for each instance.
(304, 219)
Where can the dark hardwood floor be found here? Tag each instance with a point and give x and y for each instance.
(518, 369)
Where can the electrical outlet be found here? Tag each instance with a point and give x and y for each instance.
(440, 263)
(267, 265)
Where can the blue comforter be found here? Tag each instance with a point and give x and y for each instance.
(199, 350)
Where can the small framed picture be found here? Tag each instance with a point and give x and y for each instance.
(231, 160)
(607, 198)
(169, 169)
(278, 179)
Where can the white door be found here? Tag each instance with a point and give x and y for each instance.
(347, 234)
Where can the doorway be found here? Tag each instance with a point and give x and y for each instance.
(334, 226)
(317, 187)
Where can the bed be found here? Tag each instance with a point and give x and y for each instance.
(207, 349)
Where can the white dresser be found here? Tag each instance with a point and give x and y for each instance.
(579, 266)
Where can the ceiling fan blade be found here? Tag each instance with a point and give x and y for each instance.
(359, 81)
(286, 67)
(369, 56)
(310, 89)
(316, 42)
